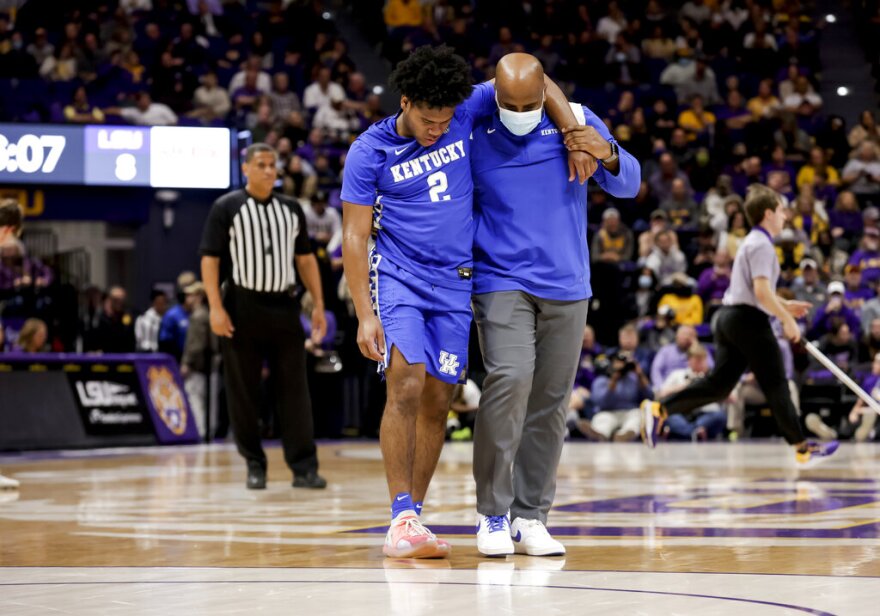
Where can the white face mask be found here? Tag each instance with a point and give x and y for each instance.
(520, 122)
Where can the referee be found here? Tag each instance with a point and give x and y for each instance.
(251, 240)
(743, 336)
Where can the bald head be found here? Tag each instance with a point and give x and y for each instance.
(519, 82)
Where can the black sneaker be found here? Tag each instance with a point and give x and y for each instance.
(310, 480)
(256, 477)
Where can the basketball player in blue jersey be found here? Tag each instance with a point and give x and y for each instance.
(408, 180)
(531, 292)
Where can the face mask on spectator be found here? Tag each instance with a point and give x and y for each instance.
(520, 122)
(645, 282)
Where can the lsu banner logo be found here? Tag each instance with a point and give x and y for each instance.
(167, 398)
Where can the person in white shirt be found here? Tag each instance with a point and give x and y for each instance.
(264, 81)
(335, 118)
(283, 100)
(146, 326)
(210, 100)
(803, 93)
(861, 175)
(706, 422)
(146, 112)
(614, 22)
(324, 223)
(321, 92)
(666, 258)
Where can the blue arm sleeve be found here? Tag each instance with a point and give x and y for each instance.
(625, 184)
(481, 102)
(360, 179)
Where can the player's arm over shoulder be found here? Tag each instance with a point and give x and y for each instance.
(481, 102)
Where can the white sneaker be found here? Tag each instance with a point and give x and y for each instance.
(531, 537)
(8, 484)
(493, 535)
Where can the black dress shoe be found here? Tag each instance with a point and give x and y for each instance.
(256, 477)
(310, 480)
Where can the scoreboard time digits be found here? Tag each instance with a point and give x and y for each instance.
(93, 155)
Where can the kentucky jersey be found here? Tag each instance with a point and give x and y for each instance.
(531, 222)
(422, 198)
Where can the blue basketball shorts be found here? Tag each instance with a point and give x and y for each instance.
(428, 324)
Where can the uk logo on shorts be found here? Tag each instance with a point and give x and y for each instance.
(449, 363)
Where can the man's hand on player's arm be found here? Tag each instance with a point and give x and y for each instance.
(581, 165)
(357, 222)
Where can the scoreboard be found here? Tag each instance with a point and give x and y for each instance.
(99, 155)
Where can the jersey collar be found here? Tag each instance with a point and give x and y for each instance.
(761, 229)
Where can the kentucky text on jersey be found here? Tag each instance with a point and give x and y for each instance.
(422, 198)
(428, 162)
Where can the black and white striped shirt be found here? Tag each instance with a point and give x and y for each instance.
(256, 240)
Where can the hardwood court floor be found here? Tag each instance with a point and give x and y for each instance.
(717, 528)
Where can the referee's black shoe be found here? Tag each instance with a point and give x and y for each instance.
(310, 480)
(256, 477)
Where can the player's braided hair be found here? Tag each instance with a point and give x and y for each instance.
(433, 76)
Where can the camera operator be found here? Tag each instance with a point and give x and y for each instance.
(617, 396)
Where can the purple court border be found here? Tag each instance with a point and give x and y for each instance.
(863, 531)
(799, 608)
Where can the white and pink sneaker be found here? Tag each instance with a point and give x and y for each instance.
(408, 538)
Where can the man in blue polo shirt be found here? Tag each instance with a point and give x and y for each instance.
(531, 291)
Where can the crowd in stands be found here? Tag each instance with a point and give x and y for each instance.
(710, 96)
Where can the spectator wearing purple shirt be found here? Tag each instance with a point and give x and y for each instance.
(18, 270)
(660, 182)
(834, 309)
(845, 219)
(857, 293)
(590, 350)
(674, 356)
(779, 163)
(868, 256)
(245, 98)
(713, 281)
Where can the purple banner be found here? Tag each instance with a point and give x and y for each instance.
(165, 397)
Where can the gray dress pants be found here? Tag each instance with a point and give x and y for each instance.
(531, 348)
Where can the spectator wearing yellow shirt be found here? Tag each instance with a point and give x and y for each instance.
(80, 111)
(403, 14)
(613, 242)
(681, 298)
(806, 219)
(696, 120)
(765, 105)
(807, 174)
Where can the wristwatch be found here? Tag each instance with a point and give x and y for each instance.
(615, 151)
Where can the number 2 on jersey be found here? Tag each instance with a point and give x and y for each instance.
(438, 183)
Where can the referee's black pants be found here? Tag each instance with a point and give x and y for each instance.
(743, 338)
(267, 327)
